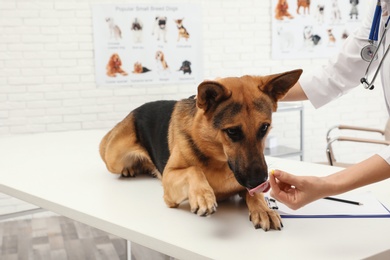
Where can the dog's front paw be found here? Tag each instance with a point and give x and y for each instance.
(203, 202)
(260, 214)
(265, 219)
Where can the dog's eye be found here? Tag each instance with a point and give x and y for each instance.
(234, 133)
(263, 130)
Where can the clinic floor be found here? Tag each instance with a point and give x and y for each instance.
(58, 238)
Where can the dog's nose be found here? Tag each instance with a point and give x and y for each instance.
(250, 177)
(256, 175)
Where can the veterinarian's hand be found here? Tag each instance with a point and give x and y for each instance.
(295, 191)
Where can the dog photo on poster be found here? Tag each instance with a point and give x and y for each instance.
(147, 44)
(313, 28)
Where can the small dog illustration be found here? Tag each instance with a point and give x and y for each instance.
(281, 10)
(309, 38)
(305, 4)
(331, 38)
(138, 69)
(136, 27)
(162, 64)
(320, 14)
(115, 31)
(114, 66)
(354, 10)
(344, 35)
(160, 27)
(204, 149)
(335, 12)
(183, 33)
(186, 67)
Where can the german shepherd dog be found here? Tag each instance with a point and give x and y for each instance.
(205, 148)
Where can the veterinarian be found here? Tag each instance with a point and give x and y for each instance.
(345, 71)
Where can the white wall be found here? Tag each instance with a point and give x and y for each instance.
(47, 70)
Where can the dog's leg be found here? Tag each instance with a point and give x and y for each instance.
(260, 214)
(189, 183)
(111, 74)
(122, 153)
(165, 35)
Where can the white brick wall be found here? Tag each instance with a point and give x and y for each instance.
(47, 70)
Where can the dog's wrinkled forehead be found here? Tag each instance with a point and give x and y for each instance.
(244, 88)
(228, 112)
(246, 99)
(244, 82)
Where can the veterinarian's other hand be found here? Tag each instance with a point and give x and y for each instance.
(294, 191)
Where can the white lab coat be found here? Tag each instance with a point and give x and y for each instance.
(344, 71)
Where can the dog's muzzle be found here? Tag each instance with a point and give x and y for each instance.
(251, 179)
(162, 24)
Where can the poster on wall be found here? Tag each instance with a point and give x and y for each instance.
(147, 44)
(313, 28)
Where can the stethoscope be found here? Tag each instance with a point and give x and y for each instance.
(369, 52)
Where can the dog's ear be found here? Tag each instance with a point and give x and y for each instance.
(277, 85)
(210, 94)
(112, 60)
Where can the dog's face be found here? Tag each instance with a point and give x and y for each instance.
(320, 8)
(238, 112)
(185, 65)
(115, 60)
(282, 4)
(161, 21)
(137, 67)
(354, 2)
(136, 25)
(179, 22)
(159, 55)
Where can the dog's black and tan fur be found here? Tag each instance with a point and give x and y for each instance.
(207, 148)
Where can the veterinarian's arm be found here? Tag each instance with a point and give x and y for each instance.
(295, 93)
(369, 171)
(297, 191)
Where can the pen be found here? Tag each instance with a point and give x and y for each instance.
(344, 201)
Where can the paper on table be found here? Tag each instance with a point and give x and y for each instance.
(330, 209)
